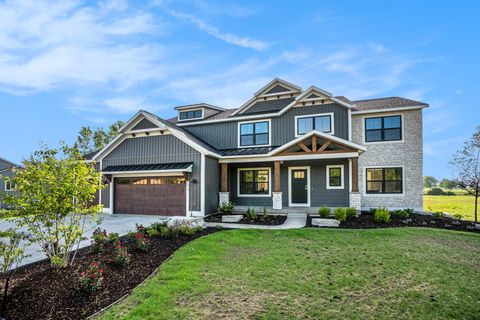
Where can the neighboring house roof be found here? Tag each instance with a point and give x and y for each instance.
(386, 103)
(89, 156)
(150, 167)
(12, 164)
(199, 105)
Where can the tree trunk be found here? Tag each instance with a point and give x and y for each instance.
(4, 298)
(476, 205)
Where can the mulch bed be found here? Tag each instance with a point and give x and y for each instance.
(366, 221)
(269, 220)
(40, 292)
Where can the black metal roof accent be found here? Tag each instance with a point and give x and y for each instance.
(246, 151)
(148, 167)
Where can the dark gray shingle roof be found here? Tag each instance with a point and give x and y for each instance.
(386, 103)
(89, 156)
(149, 167)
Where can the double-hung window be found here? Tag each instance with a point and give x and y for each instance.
(322, 123)
(335, 177)
(254, 182)
(254, 133)
(384, 180)
(383, 129)
(9, 185)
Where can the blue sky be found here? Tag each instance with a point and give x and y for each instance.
(68, 64)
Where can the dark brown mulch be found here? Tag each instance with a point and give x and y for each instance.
(269, 220)
(39, 292)
(366, 221)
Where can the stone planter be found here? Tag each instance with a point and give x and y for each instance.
(232, 218)
(325, 223)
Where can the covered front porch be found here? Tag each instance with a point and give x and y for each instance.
(310, 172)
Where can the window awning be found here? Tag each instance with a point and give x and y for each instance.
(150, 168)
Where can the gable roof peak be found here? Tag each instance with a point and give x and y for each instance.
(277, 81)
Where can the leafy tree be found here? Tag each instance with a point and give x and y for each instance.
(447, 184)
(12, 253)
(429, 182)
(54, 191)
(89, 139)
(467, 163)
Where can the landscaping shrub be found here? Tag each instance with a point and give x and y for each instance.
(166, 232)
(99, 240)
(324, 212)
(351, 213)
(438, 214)
(372, 210)
(141, 242)
(153, 232)
(251, 214)
(226, 207)
(340, 214)
(186, 230)
(435, 192)
(112, 237)
(457, 216)
(449, 193)
(121, 257)
(382, 215)
(11, 254)
(131, 235)
(265, 213)
(409, 211)
(402, 214)
(91, 279)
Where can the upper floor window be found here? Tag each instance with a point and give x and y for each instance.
(384, 180)
(192, 114)
(383, 129)
(322, 123)
(254, 133)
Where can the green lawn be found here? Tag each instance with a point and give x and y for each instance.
(451, 204)
(404, 273)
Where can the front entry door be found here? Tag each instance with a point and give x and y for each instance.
(299, 186)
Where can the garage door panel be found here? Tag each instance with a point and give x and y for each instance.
(161, 196)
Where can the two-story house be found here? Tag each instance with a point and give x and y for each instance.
(284, 148)
(6, 174)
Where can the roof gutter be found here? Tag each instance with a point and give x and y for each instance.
(390, 110)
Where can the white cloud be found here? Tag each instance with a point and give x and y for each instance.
(245, 42)
(45, 44)
(125, 105)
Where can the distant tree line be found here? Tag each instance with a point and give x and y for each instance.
(89, 139)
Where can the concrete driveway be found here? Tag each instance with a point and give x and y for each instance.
(120, 224)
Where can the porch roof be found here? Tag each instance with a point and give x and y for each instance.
(157, 167)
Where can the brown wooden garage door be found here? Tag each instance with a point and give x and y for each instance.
(150, 195)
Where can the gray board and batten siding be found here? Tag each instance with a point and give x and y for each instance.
(224, 135)
(320, 195)
(159, 149)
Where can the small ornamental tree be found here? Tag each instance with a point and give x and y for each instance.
(12, 253)
(54, 194)
(467, 164)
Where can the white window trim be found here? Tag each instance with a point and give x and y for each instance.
(255, 195)
(332, 122)
(255, 145)
(342, 176)
(402, 127)
(364, 189)
(290, 203)
(190, 119)
(11, 185)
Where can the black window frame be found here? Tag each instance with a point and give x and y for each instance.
(340, 177)
(313, 123)
(382, 129)
(253, 134)
(384, 180)
(255, 182)
(190, 114)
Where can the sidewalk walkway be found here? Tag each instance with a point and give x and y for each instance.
(294, 221)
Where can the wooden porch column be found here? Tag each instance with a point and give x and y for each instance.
(276, 178)
(354, 174)
(224, 178)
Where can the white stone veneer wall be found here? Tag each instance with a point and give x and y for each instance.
(407, 154)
